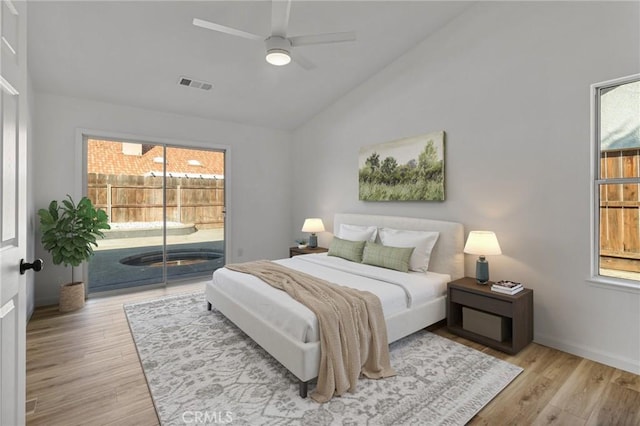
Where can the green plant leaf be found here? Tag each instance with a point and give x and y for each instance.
(68, 205)
(53, 210)
(70, 230)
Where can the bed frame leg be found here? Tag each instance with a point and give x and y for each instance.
(208, 306)
(304, 386)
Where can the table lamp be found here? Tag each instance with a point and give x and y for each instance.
(313, 225)
(482, 243)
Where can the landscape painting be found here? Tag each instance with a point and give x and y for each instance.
(409, 169)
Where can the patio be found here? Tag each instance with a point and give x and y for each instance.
(137, 261)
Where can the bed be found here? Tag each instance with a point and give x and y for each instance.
(288, 330)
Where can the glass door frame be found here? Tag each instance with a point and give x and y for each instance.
(81, 181)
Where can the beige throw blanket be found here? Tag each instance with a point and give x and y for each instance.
(353, 334)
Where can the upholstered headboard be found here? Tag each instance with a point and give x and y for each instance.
(447, 256)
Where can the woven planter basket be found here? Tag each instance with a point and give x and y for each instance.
(71, 296)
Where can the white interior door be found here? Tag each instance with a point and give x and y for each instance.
(13, 202)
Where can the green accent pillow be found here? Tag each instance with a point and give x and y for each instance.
(350, 250)
(387, 257)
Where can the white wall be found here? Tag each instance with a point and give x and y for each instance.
(509, 83)
(258, 176)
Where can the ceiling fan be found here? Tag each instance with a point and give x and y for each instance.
(279, 47)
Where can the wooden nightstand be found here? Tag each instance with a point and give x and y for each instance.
(295, 251)
(513, 312)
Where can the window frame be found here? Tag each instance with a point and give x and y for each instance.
(616, 283)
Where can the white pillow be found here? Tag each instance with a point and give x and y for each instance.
(357, 232)
(423, 241)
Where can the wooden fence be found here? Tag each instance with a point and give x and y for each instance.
(140, 199)
(619, 213)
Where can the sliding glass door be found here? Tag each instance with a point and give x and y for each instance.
(166, 210)
(194, 213)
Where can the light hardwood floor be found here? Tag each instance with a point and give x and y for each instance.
(82, 368)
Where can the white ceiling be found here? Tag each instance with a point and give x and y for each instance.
(134, 52)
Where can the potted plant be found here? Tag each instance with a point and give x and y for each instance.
(69, 231)
(302, 243)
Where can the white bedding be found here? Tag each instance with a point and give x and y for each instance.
(398, 291)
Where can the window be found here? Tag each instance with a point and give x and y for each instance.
(616, 183)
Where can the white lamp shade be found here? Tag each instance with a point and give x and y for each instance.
(482, 243)
(313, 225)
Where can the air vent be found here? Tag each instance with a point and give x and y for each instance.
(190, 82)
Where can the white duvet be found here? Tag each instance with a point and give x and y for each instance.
(398, 291)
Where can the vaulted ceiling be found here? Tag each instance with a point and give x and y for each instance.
(133, 53)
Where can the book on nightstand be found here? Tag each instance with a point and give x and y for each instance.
(507, 287)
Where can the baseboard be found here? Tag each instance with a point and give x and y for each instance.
(607, 358)
(47, 301)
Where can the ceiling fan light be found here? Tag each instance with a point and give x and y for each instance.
(278, 57)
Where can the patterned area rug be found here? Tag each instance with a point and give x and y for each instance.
(201, 369)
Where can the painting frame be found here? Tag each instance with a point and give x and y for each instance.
(406, 169)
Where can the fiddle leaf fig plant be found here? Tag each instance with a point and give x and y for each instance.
(69, 230)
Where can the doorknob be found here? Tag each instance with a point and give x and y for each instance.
(36, 265)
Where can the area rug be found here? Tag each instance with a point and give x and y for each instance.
(201, 369)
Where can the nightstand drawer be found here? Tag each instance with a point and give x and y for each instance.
(483, 303)
(296, 251)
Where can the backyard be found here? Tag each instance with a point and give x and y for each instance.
(152, 192)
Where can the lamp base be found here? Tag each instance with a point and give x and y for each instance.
(313, 241)
(482, 271)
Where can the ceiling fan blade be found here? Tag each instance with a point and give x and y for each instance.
(322, 38)
(280, 17)
(227, 30)
(302, 61)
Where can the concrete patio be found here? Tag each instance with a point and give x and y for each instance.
(131, 262)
